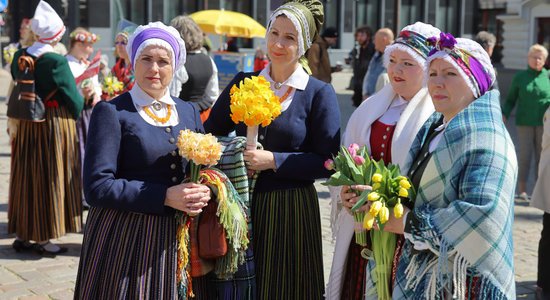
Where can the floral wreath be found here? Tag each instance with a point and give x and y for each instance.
(84, 37)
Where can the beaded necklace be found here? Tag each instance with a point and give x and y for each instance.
(159, 119)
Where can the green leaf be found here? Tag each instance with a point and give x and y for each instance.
(362, 200)
(338, 179)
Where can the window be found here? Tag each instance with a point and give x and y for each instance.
(543, 35)
(368, 13)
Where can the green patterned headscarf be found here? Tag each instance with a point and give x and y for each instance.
(307, 16)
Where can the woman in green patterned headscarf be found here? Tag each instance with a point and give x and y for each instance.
(284, 208)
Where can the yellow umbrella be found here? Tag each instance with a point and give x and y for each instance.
(228, 23)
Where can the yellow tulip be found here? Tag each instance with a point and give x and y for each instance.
(376, 186)
(384, 215)
(404, 183)
(403, 192)
(375, 208)
(377, 177)
(398, 210)
(373, 196)
(368, 221)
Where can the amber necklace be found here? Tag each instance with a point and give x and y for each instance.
(287, 93)
(159, 119)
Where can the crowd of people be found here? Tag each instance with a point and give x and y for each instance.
(426, 101)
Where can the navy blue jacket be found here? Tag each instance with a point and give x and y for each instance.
(301, 138)
(129, 164)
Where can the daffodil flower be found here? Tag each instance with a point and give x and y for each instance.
(403, 192)
(373, 196)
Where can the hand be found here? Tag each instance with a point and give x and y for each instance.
(349, 196)
(259, 160)
(188, 197)
(88, 91)
(396, 225)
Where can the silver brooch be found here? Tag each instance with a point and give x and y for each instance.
(157, 106)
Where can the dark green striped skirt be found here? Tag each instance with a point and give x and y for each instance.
(127, 256)
(45, 197)
(287, 244)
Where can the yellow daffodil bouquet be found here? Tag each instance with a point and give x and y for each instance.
(203, 151)
(111, 86)
(353, 165)
(253, 103)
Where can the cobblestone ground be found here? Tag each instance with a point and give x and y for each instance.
(28, 276)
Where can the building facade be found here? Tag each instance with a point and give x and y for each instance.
(525, 23)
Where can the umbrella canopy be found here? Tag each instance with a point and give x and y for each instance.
(228, 23)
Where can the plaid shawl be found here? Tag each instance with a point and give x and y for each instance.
(464, 210)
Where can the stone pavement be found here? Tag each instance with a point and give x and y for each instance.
(29, 276)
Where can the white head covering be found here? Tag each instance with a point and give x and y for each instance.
(414, 46)
(47, 24)
(177, 62)
(467, 49)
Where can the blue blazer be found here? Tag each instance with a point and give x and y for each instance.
(301, 138)
(129, 164)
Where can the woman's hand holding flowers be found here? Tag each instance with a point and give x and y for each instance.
(397, 225)
(188, 197)
(350, 195)
(259, 160)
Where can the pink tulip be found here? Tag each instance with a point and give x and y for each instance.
(329, 164)
(359, 160)
(353, 148)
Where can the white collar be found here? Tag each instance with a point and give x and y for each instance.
(142, 99)
(72, 58)
(398, 101)
(297, 80)
(39, 48)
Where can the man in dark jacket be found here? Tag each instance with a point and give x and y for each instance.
(318, 57)
(360, 59)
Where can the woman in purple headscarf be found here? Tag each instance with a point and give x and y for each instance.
(132, 176)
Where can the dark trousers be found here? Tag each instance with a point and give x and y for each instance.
(543, 276)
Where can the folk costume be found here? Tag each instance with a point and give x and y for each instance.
(78, 67)
(45, 188)
(459, 235)
(387, 125)
(284, 207)
(129, 247)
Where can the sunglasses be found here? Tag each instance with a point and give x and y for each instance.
(121, 43)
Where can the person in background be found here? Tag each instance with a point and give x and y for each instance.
(488, 41)
(285, 213)
(260, 60)
(80, 49)
(133, 175)
(530, 92)
(45, 191)
(318, 58)
(231, 45)
(201, 87)
(541, 200)
(463, 167)
(386, 123)
(377, 77)
(122, 69)
(26, 38)
(360, 59)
